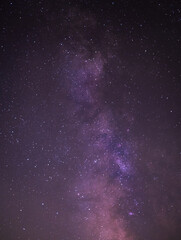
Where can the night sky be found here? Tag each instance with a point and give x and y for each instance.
(90, 120)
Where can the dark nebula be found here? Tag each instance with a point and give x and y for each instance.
(90, 120)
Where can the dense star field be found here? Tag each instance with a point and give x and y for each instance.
(90, 120)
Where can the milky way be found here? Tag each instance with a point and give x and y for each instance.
(90, 121)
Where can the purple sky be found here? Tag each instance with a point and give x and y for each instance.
(90, 120)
